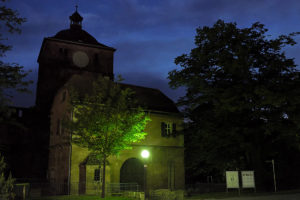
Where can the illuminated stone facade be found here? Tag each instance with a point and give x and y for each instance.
(72, 165)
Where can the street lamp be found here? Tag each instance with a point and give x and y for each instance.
(145, 154)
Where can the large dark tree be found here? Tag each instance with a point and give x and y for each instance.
(242, 101)
(11, 75)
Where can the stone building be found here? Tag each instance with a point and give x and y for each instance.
(73, 56)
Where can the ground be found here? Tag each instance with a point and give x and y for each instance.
(269, 197)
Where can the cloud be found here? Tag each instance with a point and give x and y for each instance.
(156, 56)
(148, 35)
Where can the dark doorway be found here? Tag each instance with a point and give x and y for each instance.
(82, 178)
(132, 171)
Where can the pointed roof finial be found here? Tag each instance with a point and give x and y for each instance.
(76, 7)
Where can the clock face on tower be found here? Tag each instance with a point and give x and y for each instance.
(80, 59)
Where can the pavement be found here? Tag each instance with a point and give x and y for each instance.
(295, 196)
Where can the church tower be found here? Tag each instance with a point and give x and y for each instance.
(74, 56)
(71, 51)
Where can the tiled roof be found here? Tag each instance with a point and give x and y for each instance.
(152, 99)
(149, 98)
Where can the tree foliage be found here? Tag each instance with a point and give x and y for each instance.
(106, 120)
(242, 99)
(11, 74)
(6, 183)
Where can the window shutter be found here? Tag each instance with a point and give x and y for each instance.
(163, 129)
(174, 130)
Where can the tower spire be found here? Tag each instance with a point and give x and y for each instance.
(76, 20)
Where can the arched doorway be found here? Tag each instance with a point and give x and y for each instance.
(132, 171)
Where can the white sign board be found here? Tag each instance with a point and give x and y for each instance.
(232, 179)
(248, 179)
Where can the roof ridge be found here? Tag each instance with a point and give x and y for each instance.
(140, 86)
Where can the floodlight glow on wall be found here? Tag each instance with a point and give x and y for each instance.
(145, 154)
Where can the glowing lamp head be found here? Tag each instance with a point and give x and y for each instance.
(145, 154)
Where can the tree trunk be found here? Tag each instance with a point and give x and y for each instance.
(103, 178)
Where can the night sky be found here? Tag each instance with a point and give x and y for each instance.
(148, 34)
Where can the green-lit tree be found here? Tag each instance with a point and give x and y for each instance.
(11, 75)
(6, 182)
(107, 119)
(242, 99)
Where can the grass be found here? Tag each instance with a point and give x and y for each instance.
(219, 195)
(79, 197)
(223, 195)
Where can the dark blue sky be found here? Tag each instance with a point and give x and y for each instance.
(148, 34)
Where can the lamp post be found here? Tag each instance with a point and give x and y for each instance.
(274, 177)
(145, 154)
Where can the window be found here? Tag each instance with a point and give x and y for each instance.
(97, 175)
(73, 115)
(65, 52)
(168, 129)
(20, 113)
(96, 58)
